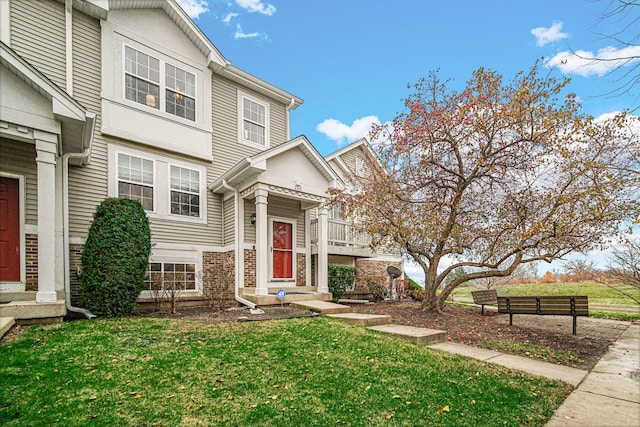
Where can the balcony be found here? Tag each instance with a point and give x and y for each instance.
(344, 239)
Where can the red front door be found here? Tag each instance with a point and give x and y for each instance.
(9, 230)
(282, 250)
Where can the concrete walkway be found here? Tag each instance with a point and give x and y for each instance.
(609, 395)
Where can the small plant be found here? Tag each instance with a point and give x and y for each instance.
(217, 285)
(341, 278)
(115, 257)
(417, 294)
(377, 285)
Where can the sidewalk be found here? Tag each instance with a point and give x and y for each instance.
(610, 394)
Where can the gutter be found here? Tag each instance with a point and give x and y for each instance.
(236, 201)
(84, 157)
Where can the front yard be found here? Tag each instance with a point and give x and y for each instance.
(308, 371)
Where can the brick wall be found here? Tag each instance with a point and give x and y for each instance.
(249, 268)
(301, 269)
(31, 262)
(75, 254)
(218, 275)
(373, 267)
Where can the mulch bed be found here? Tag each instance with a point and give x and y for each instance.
(465, 325)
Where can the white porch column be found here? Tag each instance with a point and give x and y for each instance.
(262, 243)
(323, 250)
(46, 149)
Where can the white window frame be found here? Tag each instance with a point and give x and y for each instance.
(199, 194)
(241, 97)
(181, 292)
(152, 185)
(161, 102)
(162, 182)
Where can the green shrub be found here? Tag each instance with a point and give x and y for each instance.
(115, 258)
(341, 277)
(413, 285)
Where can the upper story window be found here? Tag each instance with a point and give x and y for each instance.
(144, 79)
(181, 92)
(254, 120)
(185, 191)
(135, 179)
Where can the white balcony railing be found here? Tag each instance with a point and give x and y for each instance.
(341, 233)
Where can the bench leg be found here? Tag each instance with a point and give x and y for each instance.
(575, 324)
(510, 319)
(483, 309)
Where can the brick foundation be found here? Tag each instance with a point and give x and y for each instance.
(31, 261)
(75, 255)
(374, 267)
(218, 276)
(301, 270)
(249, 268)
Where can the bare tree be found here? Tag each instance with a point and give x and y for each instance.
(495, 175)
(580, 270)
(624, 269)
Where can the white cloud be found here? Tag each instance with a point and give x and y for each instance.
(240, 35)
(257, 6)
(586, 63)
(341, 133)
(194, 8)
(552, 34)
(227, 19)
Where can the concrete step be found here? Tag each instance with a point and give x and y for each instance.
(362, 319)
(5, 324)
(324, 307)
(411, 333)
(290, 298)
(34, 312)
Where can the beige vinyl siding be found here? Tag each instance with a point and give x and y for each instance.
(19, 158)
(38, 35)
(229, 221)
(278, 207)
(249, 230)
(87, 185)
(227, 151)
(287, 208)
(349, 158)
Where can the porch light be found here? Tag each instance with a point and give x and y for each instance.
(150, 100)
(252, 218)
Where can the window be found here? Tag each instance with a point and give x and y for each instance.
(142, 78)
(180, 92)
(143, 83)
(254, 121)
(185, 191)
(171, 276)
(335, 212)
(135, 179)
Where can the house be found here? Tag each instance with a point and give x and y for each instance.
(119, 98)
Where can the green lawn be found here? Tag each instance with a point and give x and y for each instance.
(313, 371)
(598, 294)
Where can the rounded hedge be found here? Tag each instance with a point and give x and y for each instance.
(115, 258)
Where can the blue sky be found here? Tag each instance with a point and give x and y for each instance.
(351, 60)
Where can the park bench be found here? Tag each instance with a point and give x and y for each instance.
(486, 296)
(549, 305)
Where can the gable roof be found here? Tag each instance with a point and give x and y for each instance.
(366, 147)
(77, 123)
(253, 165)
(217, 62)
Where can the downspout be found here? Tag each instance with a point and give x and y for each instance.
(236, 201)
(289, 107)
(65, 233)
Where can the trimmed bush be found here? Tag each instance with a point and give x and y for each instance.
(341, 277)
(115, 258)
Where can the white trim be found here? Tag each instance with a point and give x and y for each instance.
(161, 182)
(21, 285)
(294, 249)
(5, 22)
(267, 126)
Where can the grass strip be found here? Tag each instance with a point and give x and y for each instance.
(315, 371)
